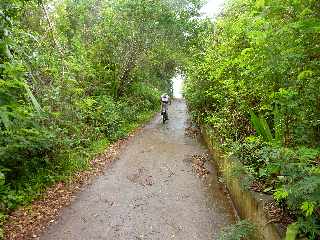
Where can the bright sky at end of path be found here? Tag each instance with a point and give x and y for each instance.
(177, 86)
(212, 8)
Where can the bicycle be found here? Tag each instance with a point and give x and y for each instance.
(164, 107)
(164, 116)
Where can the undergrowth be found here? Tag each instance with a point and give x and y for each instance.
(66, 163)
(239, 231)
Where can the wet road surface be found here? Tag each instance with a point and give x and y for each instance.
(150, 192)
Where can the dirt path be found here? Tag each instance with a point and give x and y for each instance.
(150, 192)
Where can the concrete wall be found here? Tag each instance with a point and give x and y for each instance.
(250, 205)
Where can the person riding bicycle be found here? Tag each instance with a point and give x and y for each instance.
(164, 105)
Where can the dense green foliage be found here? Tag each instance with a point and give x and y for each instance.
(255, 79)
(76, 75)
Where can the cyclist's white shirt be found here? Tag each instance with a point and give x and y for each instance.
(165, 98)
(165, 101)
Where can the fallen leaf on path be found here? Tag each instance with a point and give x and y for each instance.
(198, 164)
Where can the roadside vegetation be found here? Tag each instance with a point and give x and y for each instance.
(255, 79)
(75, 76)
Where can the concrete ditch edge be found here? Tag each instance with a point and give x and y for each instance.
(249, 204)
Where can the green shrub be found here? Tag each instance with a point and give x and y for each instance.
(101, 114)
(146, 95)
(291, 174)
(238, 231)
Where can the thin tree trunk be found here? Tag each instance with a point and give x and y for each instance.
(53, 36)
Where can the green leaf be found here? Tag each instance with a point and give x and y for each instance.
(2, 179)
(260, 4)
(4, 118)
(292, 231)
(33, 99)
(280, 194)
(266, 129)
(308, 208)
(261, 126)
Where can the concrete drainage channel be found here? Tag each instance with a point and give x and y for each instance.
(249, 205)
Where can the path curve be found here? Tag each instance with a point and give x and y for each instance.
(150, 192)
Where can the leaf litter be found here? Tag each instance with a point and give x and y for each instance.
(198, 164)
